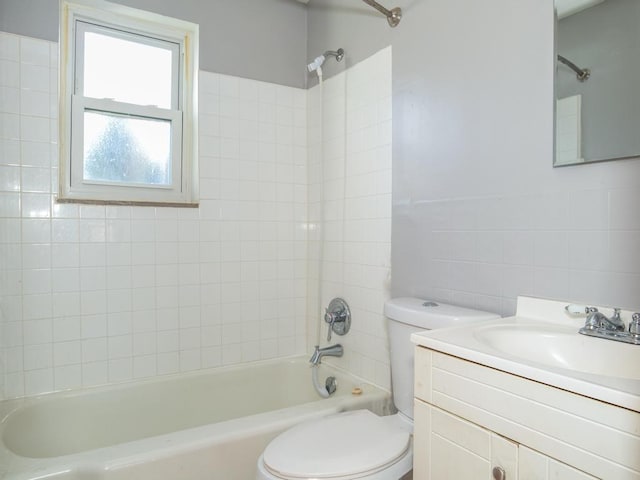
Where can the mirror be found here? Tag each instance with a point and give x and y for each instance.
(597, 80)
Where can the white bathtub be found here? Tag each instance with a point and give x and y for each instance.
(209, 425)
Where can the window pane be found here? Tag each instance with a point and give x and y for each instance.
(127, 71)
(121, 149)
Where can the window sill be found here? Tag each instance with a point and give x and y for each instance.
(128, 203)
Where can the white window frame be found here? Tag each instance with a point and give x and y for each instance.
(80, 16)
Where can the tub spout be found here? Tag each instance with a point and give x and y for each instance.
(331, 351)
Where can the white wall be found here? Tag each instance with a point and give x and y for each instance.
(93, 294)
(350, 172)
(480, 215)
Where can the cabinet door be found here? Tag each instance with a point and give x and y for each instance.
(447, 447)
(533, 465)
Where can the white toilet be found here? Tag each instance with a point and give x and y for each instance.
(360, 444)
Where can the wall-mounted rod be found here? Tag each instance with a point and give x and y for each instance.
(393, 16)
(338, 54)
(582, 74)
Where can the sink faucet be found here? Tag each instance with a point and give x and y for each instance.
(599, 325)
(330, 351)
(596, 319)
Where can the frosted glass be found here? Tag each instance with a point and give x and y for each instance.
(130, 150)
(127, 71)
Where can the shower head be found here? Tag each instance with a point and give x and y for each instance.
(319, 61)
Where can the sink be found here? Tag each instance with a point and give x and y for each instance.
(562, 347)
(541, 343)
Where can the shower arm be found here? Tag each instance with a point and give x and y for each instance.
(393, 16)
(582, 74)
(338, 54)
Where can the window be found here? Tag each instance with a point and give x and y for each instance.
(128, 131)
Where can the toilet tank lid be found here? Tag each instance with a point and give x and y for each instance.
(428, 315)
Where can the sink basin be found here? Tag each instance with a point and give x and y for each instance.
(541, 343)
(562, 347)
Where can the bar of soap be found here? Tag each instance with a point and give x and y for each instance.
(356, 391)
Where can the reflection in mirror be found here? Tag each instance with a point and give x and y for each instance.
(597, 80)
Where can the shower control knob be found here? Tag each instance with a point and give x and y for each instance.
(330, 318)
(338, 316)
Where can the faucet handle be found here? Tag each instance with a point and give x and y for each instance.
(634, 325)
(338, 316)
(330, 318)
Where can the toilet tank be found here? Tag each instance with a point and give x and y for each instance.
(407, 315)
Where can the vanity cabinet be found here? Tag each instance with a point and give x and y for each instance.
(533, 465)
(449, 447)
(470, 419)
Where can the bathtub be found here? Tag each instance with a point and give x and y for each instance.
(206, 425)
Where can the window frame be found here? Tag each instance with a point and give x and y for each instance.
(80, 16)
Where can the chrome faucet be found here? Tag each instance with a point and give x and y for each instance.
(330, 351)
(634, 326)
(599, 325)
(596, 319)
(338, 316)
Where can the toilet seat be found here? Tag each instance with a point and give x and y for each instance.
(344, 446)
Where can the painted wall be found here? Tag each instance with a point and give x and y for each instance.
(351, 25)
(258, 39)
(92, 294)
(479, 214)
(604, 38)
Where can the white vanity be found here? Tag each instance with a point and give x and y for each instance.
(525, 398)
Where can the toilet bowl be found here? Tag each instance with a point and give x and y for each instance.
(348, 445)
(359, 444)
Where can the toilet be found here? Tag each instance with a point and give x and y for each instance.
(359, 444)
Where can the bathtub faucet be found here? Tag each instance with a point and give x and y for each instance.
(331, 351)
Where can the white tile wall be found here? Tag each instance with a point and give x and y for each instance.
(350, 168)
(579, 245)
(98, 294)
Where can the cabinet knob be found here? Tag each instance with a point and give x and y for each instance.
(499, 473)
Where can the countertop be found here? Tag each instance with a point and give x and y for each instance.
(464, 342)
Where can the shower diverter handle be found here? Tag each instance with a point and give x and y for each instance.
(338, 316)
(331, 318)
